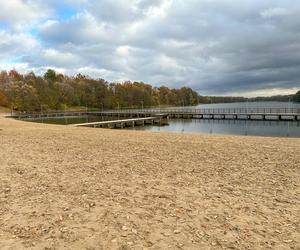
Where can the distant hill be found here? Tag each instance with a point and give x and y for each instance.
(230, 99)
(296, 97)
(278, 98)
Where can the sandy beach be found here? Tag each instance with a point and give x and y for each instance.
(63, 187)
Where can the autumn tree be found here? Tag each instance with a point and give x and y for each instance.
(22, 97)
(57, 91)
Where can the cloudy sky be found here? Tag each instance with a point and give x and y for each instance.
(222, 47)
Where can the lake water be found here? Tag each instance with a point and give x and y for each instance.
(235, 127)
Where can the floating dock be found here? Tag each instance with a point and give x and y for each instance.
(155, 120)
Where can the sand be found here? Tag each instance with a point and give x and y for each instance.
(63, 187)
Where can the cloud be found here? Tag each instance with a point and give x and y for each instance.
(214, 46)
(273, 12)
(21, 12)
(122, 11)
(11, 47)
(79, 29)
(20, 67)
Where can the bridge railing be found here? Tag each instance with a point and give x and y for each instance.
(209, 111)
(295, 111)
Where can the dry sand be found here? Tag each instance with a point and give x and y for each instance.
(83, 188)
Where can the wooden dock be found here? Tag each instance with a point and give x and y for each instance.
(155, 120)
(263, 114)
(239, 116)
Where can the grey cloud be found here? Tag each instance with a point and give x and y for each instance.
(11, 48)
(214, 46)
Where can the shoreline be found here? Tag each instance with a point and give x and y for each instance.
(178, 132)
(66, 187)
(162, 132)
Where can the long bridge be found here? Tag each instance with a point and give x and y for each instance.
(269, 114)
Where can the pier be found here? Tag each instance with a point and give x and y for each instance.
(263, 114)
(156, 120)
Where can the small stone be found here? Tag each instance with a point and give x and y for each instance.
(177, 231)
(64, 229)
(124, 228)
(134, 231)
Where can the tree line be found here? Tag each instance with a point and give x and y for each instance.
(296, 97)
(53, 91)
(230, 99)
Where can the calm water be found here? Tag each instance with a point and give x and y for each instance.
(237, 127)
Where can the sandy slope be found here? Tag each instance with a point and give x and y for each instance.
(81, 188)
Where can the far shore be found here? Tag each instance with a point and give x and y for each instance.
(86, 188)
